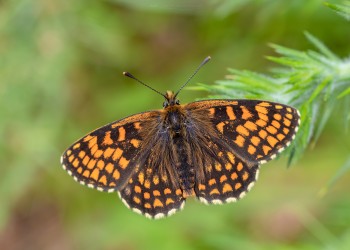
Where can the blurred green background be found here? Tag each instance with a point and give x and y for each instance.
(60, 77)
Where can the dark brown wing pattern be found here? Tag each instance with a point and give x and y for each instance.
(247, 133)
(106, 158)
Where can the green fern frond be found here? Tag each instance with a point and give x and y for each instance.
(312, 81)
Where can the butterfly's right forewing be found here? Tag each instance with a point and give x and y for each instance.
(107, 157)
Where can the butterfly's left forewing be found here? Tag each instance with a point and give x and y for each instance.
(256, 130)
(107, 157)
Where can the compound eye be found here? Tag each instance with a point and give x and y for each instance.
(177, 102)
(165, 104)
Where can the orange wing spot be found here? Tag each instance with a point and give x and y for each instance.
(266, 149)
(123, 163)
(94, 149)
(250, 125)
(141, 177)
(156, 193)
(81, 154)
(88, 138)
(262, 134)
(86, 173)
(214, 191)
(212, 111)
(240, 140)
(76, 163)
(169, 201)
(272, 141)
(164, 178)
(276, 124)
(238, 186)
(278, 106)
(147, 205)
(130, 181)
(239, 166)
(285, 130)
(92, 141)
(103, 180)
(261, 123)
(121, 136)
(136, 200)
(76, 146)
(242, 130)
(109, 168)
(261, 110)
(107, 140)
(157, 203)
(91, 164)
(255, 140)
(71, 158)
(259, 156)
(201, 187)
(228, 166)
(100, 164)
(218, 166)
(263, 117)
(98, 153)
(95, 173)
(234, 176)
(289, 116)
(108, 152)
(137, 189)
(209, 168)
(137, 125)
(280, 137)
(178, 192)
(155, 180)
(251, 149)
(223, 178)
(278, 117)
(289, 109)
(230, 113)
(220, 127)
(146, 195)
(68, 152)
(147, 184)
(112, 184)
(227, 188)
(135, 143)
(80, 170)
(167, 191)
(149, 171)
(86, 160)
(116, 174)
(231, 157)
(286, 122)
(246, 114)
(212, 182)
(245, 176)
(271, 130)
(117, 154)
(220, 154)
(264, 104)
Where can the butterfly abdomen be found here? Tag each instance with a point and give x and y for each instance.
(174, 121)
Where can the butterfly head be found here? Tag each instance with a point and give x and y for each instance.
(170, 99)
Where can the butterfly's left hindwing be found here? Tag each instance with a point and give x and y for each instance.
(106, 158)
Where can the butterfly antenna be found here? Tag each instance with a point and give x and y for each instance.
(133, 77)
(194, 73)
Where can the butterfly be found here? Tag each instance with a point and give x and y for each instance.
(209, 149)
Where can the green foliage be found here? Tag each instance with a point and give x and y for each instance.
(341, 9)
(314, 82)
